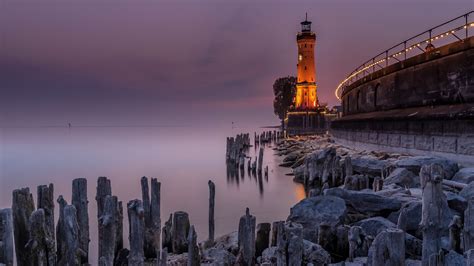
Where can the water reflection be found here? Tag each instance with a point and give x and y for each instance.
(183, 160)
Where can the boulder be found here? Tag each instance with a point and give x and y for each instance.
(452, 258)
(269, 255)
(368, 165)
(216, 256)
(365, 202)
(456, 202)
(375, 225)
(311, 212)
(403, 178)
(465, 175)
(468, 192)
(299, 173)
(413, 217)
(414, 164)
(314, 253)
(359, 261)
(410, 262)
(177, 259)
(228, 242)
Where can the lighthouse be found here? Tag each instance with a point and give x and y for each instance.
(306, 97)
(305, 116)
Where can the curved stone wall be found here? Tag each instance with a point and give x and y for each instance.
(444, 76)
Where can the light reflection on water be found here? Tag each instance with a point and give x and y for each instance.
(182, 158)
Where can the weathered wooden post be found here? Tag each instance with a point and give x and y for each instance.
(377, 185)
(281, 244)
(167, 237)
(119, 229)
(348, 170)
(468, 232)
(294, 236)
(470, 257)
(388, 248)
(104, 189)
(180, 232)
(156, 214)
(246, 238)
(41, 245)
(70, 238)
(152, 217)
(137, 231)
(22, 208)
(275, 228)
(60, 230)
(80, 202)
(193, 250)
(6, 237)
(263, 238)
(455, 229)
(260, 160)
(163, 257)
(434, 203)
(45, 201)
(402, 220)
(212, 197)
(108, 227)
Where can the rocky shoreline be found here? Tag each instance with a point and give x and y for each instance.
(362, 208)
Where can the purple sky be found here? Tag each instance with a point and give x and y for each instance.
(184, 62)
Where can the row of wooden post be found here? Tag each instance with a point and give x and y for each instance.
(37, 241)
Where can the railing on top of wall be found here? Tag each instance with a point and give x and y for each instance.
(412, 46)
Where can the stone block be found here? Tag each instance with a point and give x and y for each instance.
(373, 137)
(465, 145)
(445, 144)
(383, 139)
(394, 140)
(424, 143)
(407, 141)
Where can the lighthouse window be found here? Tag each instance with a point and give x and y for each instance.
(304, 67)
(305, 45)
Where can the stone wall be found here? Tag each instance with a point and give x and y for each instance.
(459, 147)
(444, 76)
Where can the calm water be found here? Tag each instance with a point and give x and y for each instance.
(182, 158)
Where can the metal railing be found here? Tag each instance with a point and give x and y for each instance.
(412, 46)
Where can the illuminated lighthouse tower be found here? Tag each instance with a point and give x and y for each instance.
(305, 117)
(306, 97)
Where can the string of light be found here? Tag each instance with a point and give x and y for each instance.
(393, 56)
